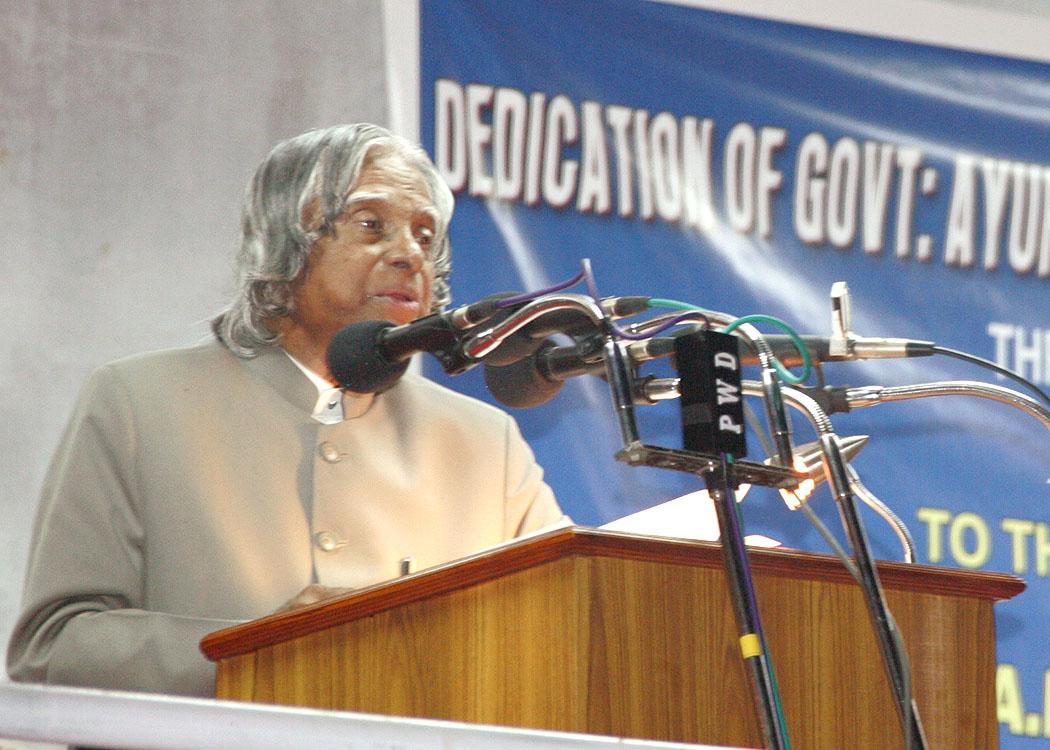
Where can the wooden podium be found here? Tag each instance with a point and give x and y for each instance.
(608, 633)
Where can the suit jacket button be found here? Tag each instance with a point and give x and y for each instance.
(326, 541)
(329, 453)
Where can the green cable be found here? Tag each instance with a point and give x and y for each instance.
(778, 705)
(673, 304)
(807, 363)
(786, 374)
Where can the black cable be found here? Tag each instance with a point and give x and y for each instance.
(974, 359)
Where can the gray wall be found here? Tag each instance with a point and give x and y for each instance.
(127, 132)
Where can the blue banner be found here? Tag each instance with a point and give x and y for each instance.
(746, 165)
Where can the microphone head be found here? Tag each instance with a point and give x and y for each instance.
(520, 384)
(356, 361)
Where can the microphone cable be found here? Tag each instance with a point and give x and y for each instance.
(974, 359)
(785, 374)
(804, 353)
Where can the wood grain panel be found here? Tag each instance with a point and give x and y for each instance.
(637, 640)
(235, 678)
(662, 654)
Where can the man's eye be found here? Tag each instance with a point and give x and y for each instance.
(425, 237)
(369, 223)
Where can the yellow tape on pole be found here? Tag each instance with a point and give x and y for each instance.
(750, 645)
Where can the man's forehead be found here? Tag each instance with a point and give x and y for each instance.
(358, 197)
(385, 164)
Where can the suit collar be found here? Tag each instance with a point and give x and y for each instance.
(273, 365)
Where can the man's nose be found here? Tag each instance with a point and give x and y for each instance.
(404, 251)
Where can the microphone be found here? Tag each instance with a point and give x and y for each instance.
(521, 384)
(536, 379)
(359, 361)
(820, 349)
(530, 338)
(371, 355)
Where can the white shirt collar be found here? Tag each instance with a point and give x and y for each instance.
(329, 406)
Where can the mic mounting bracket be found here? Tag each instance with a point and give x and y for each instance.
(675, 459)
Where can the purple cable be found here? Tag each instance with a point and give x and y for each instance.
(529, 296)
(661, 328)
(592, 285)
(592, 288)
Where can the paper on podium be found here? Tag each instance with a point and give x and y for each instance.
(690, 516)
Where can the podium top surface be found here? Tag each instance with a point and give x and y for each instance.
(575, 541)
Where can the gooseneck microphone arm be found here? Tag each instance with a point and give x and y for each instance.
(876, 394)
(819, 419)
(486, 342)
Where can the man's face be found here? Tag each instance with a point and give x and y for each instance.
(377, 264)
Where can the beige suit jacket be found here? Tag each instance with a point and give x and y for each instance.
(193, 490)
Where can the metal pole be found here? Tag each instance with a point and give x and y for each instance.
(893, 659)
(745, 606)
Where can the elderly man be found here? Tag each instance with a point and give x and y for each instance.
(200, 487)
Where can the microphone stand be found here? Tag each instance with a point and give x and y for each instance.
(752, 640)
(839, 479)
(885, 632)
(842, 480)
(720, 477)
(837, 470)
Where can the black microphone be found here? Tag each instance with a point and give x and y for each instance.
(359, 361)
(371, 355)
(520, 384)
(536, 379)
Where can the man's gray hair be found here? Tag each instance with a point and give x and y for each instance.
(319, 165)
